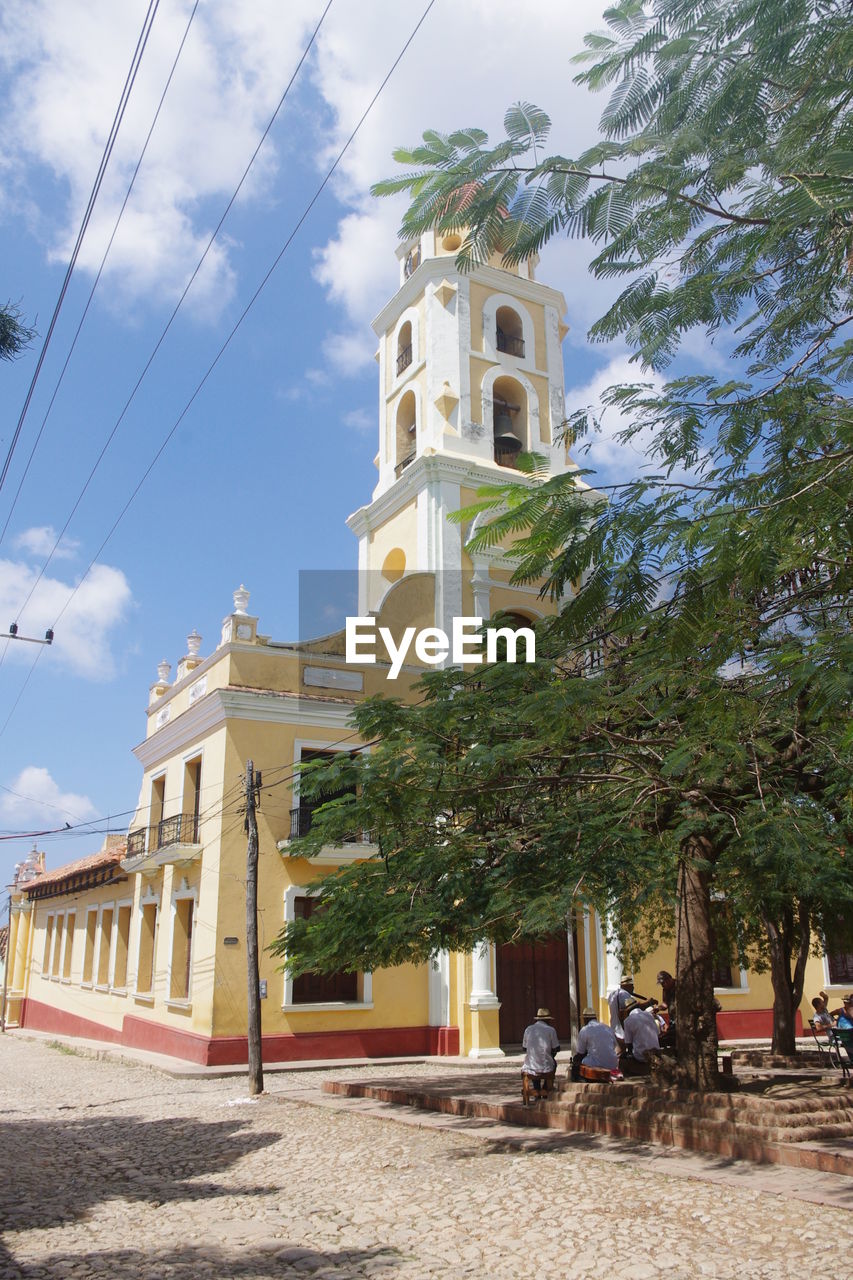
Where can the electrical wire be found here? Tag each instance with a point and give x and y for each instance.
(237, 325)
(102, 168)
(164, 332)
(92, 294)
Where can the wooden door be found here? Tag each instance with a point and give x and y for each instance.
(531, 975)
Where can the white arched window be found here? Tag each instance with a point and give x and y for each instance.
(405, 343)
(406, 420)
(508, 330)
(510, 408)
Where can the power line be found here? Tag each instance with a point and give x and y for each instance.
(92, 294)
(102, 168)
(166, 329)
(223, 348)
(238, 323)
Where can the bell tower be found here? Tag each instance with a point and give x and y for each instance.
(470, 374)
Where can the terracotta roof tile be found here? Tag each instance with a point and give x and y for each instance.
(103, 858)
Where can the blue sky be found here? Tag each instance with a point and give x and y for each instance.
(277, 450)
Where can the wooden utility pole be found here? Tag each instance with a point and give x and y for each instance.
(256, 1070)
(9, 959)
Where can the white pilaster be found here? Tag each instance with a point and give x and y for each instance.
(482, 994)
(587, 955)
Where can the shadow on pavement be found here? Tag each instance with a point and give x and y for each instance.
(273, 1262)
(60, 1169)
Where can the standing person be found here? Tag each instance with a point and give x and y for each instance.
(666, 982)
(540, 1061)
(618, 1000)
(641, 1033)
(596, 1046)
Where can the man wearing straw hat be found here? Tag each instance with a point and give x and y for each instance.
(540, 1061)
(596, 1048)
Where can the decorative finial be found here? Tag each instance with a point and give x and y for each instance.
(241, 599)
(163, 669)
(193, 644)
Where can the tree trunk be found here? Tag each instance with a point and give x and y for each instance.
(787, 988)
(696, 1023)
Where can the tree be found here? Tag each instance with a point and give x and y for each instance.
(722, 189)
(719, 586)
(14, 335)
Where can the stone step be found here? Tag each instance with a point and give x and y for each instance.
(825, 1147)
(654, 1122)
(797, 1126)
(685, 1129)
(729, 1103)
(830, 1110)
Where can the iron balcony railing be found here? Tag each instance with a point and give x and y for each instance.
(401, 466)
(404, 359)
(136, 843)
(300, 825)
(512, 346)
(180, 829)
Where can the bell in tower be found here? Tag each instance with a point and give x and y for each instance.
(507, 443)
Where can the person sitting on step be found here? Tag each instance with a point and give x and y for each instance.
(641, 1038)
(596, 1056)
(540, 1062)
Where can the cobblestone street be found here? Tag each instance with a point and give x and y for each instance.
(116, 1170)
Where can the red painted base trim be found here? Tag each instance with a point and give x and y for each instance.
(45, 1017)
(444, 1041)
(155, 1037)
(220, 1051)
(749, 1024)
(378, 1042)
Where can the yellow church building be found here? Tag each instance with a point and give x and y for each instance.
(143, 944)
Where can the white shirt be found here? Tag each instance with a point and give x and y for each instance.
(540, 1041)
(641, 1031)
(617, 1000)
(597, 1046)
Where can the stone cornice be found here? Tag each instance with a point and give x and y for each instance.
(436, 269)
(216, 708)
(438, 466)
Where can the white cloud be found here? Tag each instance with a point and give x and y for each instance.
(360, 420)
(41, 541)
(612, 459)
(465, 67)
(83, 635)
(350, 352)
(38, 799)
(348, 265)
(65, 62)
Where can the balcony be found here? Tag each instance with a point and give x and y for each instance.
(404, 359)
(172, 840)
(358, 844)
(407, 462)
(300, 825)
(136, 842)
(180, 829)
(509, 344)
